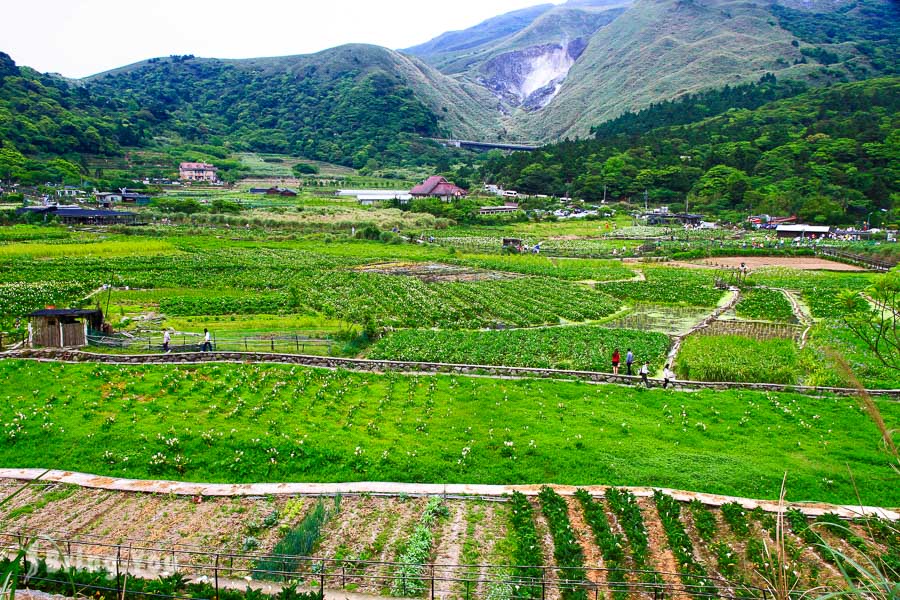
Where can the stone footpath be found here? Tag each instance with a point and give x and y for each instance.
(811, 509)
(380, 366)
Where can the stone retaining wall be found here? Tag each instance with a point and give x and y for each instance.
(357, 364)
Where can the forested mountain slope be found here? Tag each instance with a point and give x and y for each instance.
(828, 155)
(662, 49)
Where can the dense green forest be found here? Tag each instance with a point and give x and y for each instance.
(694, 107)
(829, 155)
(351, 118)
(874, 22)
(46, 124)
(197, 109)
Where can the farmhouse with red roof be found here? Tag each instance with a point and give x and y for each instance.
(437, 187)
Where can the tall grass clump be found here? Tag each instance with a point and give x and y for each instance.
(738, 359)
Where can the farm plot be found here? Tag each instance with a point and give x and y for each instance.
(541, 547)
(820, 290)
(766, 305)
(738, 358)
(582, 347)
(666, 285)
(660, 318)
(529, 264)
(830, 337)
(408, 302)
(240, 423)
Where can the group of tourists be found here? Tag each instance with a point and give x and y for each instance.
(644, 371)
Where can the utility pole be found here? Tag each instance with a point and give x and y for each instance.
(604, 193)
(646, 200)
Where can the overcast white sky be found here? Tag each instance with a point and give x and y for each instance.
(82, 37)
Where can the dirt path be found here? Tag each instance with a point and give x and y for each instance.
(448, 550)
(593, 559)
(548, 550)
(801, 313)
(660, 554)
(801, 263)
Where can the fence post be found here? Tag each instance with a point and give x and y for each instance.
(432, 582)
(272, 341)
(245, 344)
(322, 583)
(296, 341)
(118, 570)
(543, 583)
(216, 575)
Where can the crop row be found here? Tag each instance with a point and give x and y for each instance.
(625, 506)
(579, 347)
(693, 573)
(527, 550)
(409, 579)
(612, 545)
(566, 550)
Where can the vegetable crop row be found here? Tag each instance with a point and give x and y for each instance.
(566, 549)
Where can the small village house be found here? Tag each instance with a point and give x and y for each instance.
(507, 208)
(192, 171)
(76, 215)
(438, 187)
(62, 327)
(802, 231)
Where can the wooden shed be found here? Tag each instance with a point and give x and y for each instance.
(62, 327)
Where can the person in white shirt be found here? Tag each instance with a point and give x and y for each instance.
(668, 376)
(644, 372)
(207, 344)
(166, 339)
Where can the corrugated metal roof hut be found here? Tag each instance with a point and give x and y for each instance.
(62, 327)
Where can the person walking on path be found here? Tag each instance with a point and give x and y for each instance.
(207, 344)
(668, 376)
(629, 360)
(615, 361)
(166, 339)
(645, 371)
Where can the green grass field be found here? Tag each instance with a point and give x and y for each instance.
(279, 423)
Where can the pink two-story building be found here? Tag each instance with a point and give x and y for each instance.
(190, 171)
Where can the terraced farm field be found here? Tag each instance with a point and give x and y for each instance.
(576, 545)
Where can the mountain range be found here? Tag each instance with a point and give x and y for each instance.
(540, 74)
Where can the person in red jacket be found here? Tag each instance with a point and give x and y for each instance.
(615, 361)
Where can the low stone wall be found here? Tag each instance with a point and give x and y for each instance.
(357, 364)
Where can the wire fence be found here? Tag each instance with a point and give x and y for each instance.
(10, 339)
(270, 572)
(282, 343)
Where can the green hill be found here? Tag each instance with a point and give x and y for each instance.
(829, 155)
